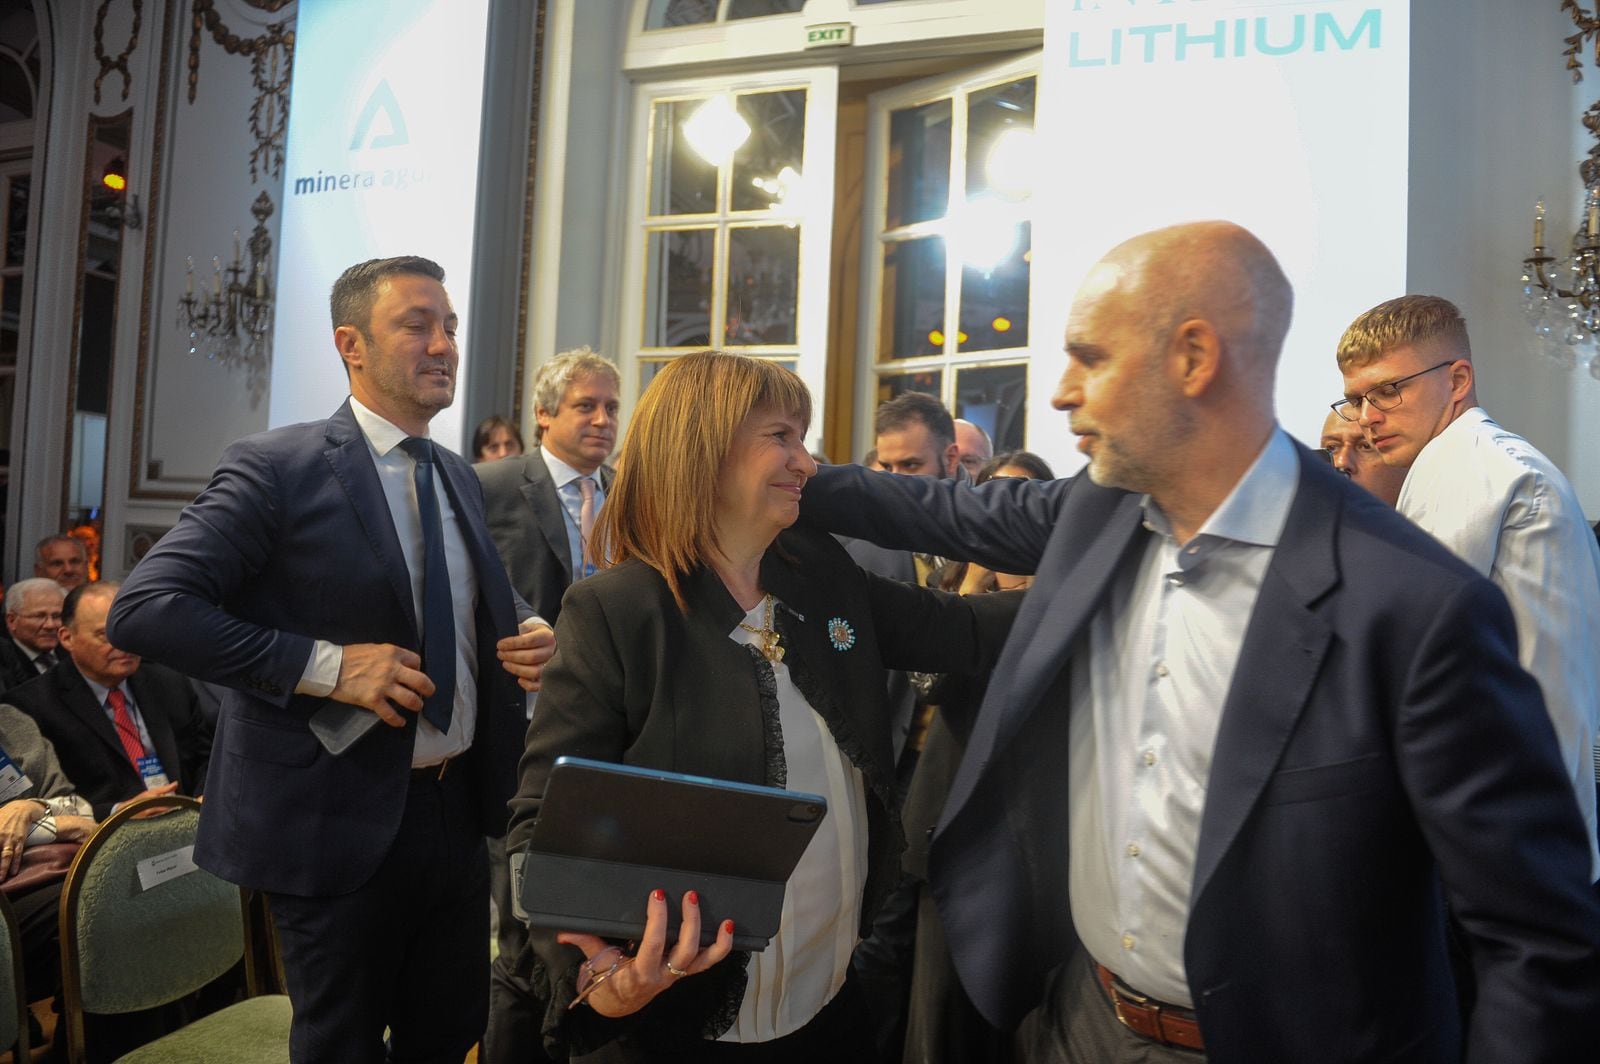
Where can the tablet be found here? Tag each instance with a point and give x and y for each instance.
(608, 835)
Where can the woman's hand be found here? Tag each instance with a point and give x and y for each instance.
(71, 828)
(17, 818)
(615, 985)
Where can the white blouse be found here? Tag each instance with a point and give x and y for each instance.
(806, 962)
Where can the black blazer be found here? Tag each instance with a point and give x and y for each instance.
(1379, 752)
(529, 527)
(68, 714)
(16, 667)
(636, 680)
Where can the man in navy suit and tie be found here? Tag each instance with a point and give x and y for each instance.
(338, 577)
(1252, 730)
(541, 508)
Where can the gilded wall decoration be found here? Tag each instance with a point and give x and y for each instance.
(271, 68)
(119, 62)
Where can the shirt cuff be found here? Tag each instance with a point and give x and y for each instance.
(322, 671)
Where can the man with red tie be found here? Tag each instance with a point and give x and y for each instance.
(121, 728)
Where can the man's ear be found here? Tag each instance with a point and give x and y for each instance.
(952, 460)
(1197, 351)
(1461, 379)
(351, 345)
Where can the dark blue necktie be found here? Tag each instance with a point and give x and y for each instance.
(438, 613)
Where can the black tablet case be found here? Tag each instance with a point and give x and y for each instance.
(608, 835)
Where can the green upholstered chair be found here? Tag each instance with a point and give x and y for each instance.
(13, 996)
(125, 948)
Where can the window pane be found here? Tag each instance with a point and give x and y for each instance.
(681, 182)
(926, 381)
(767, 167)
(664, 14)
(16, 221)
(994, 301)
(996, 399)
(919, 164)
(648, 371)
(757, 8)
(677, 301)
(912, 318)
(763, 272)
(1000, 140)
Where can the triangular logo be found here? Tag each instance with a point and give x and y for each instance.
(381, 101)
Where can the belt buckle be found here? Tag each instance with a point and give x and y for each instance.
(1145, 1021)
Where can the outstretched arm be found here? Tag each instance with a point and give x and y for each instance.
(1003, 524)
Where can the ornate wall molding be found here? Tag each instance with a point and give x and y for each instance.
(119, 62)
(271, 68)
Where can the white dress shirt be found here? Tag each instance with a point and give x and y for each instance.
(1147, 690)
(1507, 511)
(396, 473)
(806, 963)
(566, 481)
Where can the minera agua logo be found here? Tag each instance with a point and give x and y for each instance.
(370, 134)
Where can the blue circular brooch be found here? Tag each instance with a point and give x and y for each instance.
(840, 634)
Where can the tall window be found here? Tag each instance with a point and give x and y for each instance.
(732, 215)
(948, 276)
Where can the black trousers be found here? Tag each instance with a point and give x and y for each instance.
(408, 950)
(516, 1012)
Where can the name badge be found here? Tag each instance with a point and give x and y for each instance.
(588, 569)
(154, 775)
(13, 781)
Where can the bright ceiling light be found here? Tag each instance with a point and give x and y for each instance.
(1012, 162)
(985, 232)
(716, 130)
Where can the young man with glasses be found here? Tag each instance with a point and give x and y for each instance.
(1492, 498)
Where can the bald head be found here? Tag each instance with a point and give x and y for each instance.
(1214, 271)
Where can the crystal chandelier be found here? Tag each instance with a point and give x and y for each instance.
(1561, 296)
(230, 318)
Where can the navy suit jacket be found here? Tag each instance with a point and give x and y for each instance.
(1380, 752)
(292, 542)
(529, 526)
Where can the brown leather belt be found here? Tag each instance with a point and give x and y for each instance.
(431, 773)
(1171, 1025)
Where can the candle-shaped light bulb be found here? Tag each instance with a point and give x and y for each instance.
(1594, 214)
(261, 285)
(188, 265)
(236, 247)
(1538, 223)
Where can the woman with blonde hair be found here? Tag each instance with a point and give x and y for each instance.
(722, 642)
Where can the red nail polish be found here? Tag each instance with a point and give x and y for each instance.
(727, 925)
(658, 895)
(694, 897)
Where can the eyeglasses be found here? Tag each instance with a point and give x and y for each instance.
(1383, 397)
(36, 615)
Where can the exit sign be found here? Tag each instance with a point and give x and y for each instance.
(830, 35)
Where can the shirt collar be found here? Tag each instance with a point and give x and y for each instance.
(1254, 512)
(101, 691)
(382, 434)
(560, 472)
(32, 654)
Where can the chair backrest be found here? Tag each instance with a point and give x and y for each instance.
(13, 996)
(126, 947)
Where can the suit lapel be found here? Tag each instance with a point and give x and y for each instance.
(464, 490)
(1284, 646)
(1085, 552)
(78, 697)
(351, 461)
(540, 491)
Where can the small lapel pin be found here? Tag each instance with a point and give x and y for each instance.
(840, 634)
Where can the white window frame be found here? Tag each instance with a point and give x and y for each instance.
(815, 220)
(870, 363)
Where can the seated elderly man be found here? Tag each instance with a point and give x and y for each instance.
(122, 728)
(37, 806)
(33, 621)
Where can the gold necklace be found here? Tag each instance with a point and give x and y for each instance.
(769, 647)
